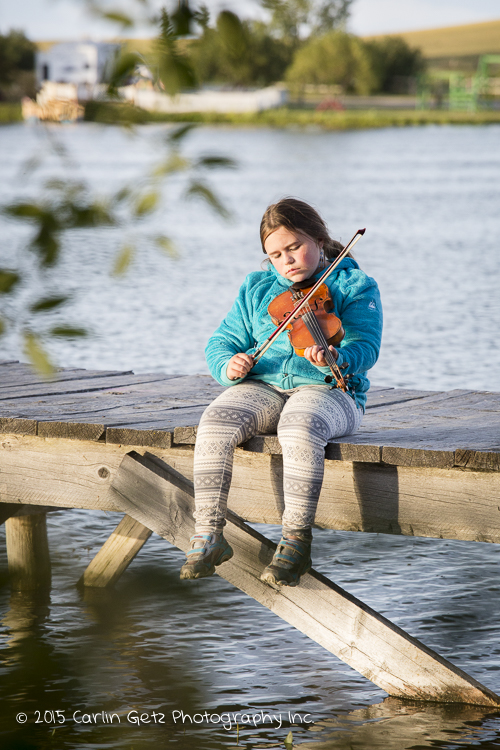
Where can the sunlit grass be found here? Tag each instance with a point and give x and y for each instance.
(284, 117)
(10, 112)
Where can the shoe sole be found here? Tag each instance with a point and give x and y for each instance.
(189, 575)
(269, 577)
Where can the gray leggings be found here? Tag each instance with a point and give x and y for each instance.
(305, 421)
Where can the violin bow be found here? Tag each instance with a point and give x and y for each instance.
(282, 326)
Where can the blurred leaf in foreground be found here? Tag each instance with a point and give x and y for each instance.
(123, 260)
(49, 303)
(66, 204)
(198, 189)
(8, 280)
(166, 244)
(37, 355)
(68, 332)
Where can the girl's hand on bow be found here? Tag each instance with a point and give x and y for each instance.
(316, 355)
(239, 365)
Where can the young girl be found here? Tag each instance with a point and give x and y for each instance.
(282, 392)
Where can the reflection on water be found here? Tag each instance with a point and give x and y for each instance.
(398, 725)
(155, 645)
(202, 653)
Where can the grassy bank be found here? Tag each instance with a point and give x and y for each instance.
(301, 118)
(10, 112)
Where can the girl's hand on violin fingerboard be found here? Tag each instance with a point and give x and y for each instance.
(239, 365)
(316, 355)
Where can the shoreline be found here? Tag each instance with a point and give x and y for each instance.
(354, 119)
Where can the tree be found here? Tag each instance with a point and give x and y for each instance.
(291, 20)
(17, 62)
(336, 58)
(239, 53)
(394, 62)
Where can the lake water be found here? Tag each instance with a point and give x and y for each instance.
(430, 200)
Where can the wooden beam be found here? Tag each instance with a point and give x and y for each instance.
(8, 510)
(28, 552)
(116, 554)
(162, 499)
(356, 496)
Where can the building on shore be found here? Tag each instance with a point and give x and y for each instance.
(70, 74)
(85, 65)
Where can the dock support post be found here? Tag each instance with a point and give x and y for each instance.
(28, 552)
(116, 554)
(161, 498)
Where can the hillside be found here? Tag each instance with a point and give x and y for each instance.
(454, 41)
(466, 41)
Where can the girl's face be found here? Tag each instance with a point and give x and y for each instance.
(295, 256)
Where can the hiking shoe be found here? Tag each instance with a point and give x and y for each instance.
(291, 560)
(207, 551)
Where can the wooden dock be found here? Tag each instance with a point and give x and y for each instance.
(425, 463)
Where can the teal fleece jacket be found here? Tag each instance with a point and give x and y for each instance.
(356, 301)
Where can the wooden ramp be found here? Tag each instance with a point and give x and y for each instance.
(162, 499)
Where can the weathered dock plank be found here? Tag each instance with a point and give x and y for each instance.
(83, 385)
(162, 500)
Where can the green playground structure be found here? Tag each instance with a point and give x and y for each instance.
(459, 91)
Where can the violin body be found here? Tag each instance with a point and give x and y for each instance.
(320, 304)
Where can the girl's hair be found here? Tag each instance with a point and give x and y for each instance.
(298, 216)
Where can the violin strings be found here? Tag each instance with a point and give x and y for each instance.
(316, 331)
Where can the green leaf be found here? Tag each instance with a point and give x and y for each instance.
(122, 195)
(37, 355)
(166, 244)
(23, 211)
(215, 162)
(48, 303)
(46, 242)
(68, 332)
(63, 186)
(289, 740)
(201, 190)
(175, 72)
(146, 203)
(178, 134)
(118, 17)
(8, 280)
(231, 31)
(123, 260)
(174, 163)
(93, 215)
(123, 69)
(2, 327)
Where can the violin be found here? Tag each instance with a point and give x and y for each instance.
(314, 324)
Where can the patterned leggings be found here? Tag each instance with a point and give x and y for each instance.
(305, 421)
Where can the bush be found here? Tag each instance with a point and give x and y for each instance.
(334, 59)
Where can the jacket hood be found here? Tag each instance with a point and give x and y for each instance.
(344, 265)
